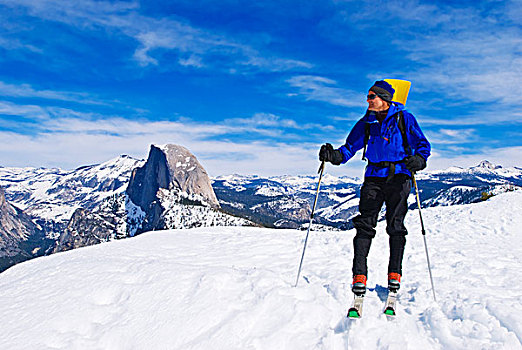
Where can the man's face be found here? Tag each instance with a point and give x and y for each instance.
(375, 103)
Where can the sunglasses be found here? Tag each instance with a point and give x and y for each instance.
(371, 97)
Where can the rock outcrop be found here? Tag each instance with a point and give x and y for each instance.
(20, 238)
(187, 174)
(84, 229)
(174, 169)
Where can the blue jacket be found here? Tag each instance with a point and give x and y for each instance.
(385, 143)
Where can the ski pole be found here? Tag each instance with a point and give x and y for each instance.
(321, 168)
(424, 234)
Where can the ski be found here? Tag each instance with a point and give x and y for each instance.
(356, 310)
(389, 309)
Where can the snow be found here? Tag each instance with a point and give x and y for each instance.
(233, 288)
(237, 178)
(270, 191)
(177, 215)
(303, 181)
(236, 182)
(232, 204)
(332, 211)
(134, 217)
(462, 188)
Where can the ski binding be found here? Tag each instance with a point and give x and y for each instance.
(356, 310)
(389, 309)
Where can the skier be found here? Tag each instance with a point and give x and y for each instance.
(391, 162)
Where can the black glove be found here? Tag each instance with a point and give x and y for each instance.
(329, 154)
(415, 163)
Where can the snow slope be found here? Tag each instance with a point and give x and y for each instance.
(233, 288)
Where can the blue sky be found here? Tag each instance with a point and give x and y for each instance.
(253, 87)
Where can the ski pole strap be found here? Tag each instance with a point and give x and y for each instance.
(387, 164)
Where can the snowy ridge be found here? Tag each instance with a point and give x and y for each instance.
(54, 194)
(285, 201)
(484, 167)
(158, 290)
(339, 196)
(177, 215)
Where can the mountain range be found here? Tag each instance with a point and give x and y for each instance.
(97, 203)
(285, 201)
(50, 210)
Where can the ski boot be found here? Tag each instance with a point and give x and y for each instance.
(358, 289)
(359, 285)
(394, 282)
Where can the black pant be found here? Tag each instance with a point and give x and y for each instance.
(375, 192)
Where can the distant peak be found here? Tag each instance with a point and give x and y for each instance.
(488, 165)
(169, 147)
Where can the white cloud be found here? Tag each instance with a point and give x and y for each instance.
(478, 66)
(470, 57)
(69, 139)
(469, 53)
(409, 13)
(81, 143)
(72, 12)
(16, 44)
(192, 61)
(30, 111)
(452, 136)
(195, 46)
(26, 90)
(318, 88)
(142, 57)
(484, 117)
(274, 64)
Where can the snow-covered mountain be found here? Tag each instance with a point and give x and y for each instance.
(467, 185)
(233, 288)
(125, 196)
(285, 201)
(116, 199)
(51, 196)
(171, 179)
(169, 190)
